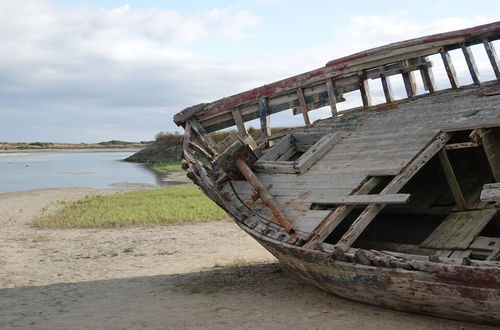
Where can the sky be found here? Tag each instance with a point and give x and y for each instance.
(89, 71)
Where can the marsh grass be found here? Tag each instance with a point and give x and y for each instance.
(167, 206)
(168, 166)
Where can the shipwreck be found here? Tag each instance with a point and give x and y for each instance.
(395, 203)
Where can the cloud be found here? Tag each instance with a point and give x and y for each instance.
(85, 65)
(78, 73)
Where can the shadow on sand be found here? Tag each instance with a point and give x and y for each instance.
(250, 297)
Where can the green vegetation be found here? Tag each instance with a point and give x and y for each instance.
(167, 206)
(115, 143)
(168, 166)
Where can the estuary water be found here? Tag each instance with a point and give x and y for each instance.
(35, 170)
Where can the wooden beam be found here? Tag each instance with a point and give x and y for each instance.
(491, 147)
(492, 55)
(428, 79)
(471, 64)
(265, 126)
(242, 131)
(364, 89)
(328, 225)
(461, 145)
(303, 106)
(331, 96)
(366, 199)
(452, 180)
(386, 85)
(371, 211)
(450, 69)
(410, 83)
(203, 136)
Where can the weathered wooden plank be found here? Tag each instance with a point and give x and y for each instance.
(492, 56)
(428, 79)
(459, 229)
(471, 64)
(461, 145)
(277, 150)
(364, 219)
(452, 180)
(265, 125)
(331, 96)
(364, 89)
(203, 136)
(386, 85)
(450, 69)
(410, 83)
(242, 131)
(318, 150)
(328, 225)
(366, 199)
(490, 195)
(303, 106)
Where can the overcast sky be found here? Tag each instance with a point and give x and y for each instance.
(90, 71)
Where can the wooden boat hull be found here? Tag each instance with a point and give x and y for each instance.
(457, 292)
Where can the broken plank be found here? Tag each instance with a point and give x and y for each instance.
(371, 211)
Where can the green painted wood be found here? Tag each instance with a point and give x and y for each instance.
(459, 229)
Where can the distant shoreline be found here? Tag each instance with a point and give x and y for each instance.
(26, 152)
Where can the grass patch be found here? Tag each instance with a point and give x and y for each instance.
(167, 206)
(168, 166)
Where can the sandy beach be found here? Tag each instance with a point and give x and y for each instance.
(160, 278)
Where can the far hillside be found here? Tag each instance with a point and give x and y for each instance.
(53, 145)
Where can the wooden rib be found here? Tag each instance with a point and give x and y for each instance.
(203, 136)
(386, 85)
(264, 117)
(452, 180)
(450, 69)
(410, 83)
(303, 106)
(328, 225)
(492, 55)
(331, 96)
(371, 211)
(492, 151)
(242, 131)
(364, 89)
(428, 79)
(471, 63)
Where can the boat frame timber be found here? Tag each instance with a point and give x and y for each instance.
(451, 286)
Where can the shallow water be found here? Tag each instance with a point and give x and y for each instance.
(75, 169)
